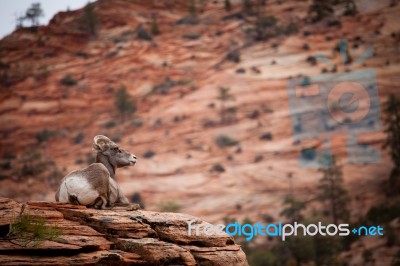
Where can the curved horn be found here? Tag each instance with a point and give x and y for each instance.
(101, 140)
(101, 143)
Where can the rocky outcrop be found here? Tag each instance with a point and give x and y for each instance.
(115, 236)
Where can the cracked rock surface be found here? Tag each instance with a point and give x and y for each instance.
(115, 236)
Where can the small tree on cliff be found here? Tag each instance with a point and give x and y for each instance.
(155, 30)
(320, 9)
(192, 8)
(33, 13)
(293, 208)
(124, 103)
(19, 22)
(350, 8)
(333, 192)
(89, 21)
(224, 96)
(247, 6)
(392, 122)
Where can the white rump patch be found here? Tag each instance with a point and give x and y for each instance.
(80, 187)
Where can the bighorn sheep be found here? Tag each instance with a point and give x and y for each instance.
(94, 186)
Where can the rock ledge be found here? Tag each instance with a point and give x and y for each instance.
(116, 236)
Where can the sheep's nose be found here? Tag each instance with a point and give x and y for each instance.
(132, 159)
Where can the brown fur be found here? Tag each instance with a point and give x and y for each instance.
(100, 175)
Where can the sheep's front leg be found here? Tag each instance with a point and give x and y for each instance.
(116, 197)
(122, 199)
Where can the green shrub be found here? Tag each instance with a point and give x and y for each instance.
(31, 231)
(261, 257)
(312, 60)
(290, 29)
(320, 9)
(189, 20)
(123, 102)
(169, 206)
(247, 7)
(266, 27)
(224, 96)
(68, 80)
(43, 73)
(81, 54)
(231, 110)
(9, 155)
(45, 135)
(191, 36)
(155, 30)
(233, 56)
(258, 158)
(391, 236)
(367, 255)
(350, 8)
(110, 124)
(89, 22)
(79, 138)
(137, 122)
(5, 165)
(33, 165)
(266, 136)
(54, 176)
(382, 213)
(396, 259)
(267, 21)
(240, 70)
(192, 8)
(164, 87)
(116, 138)
(143, 34)
(149, 154)
(225, 141)
(218, 168)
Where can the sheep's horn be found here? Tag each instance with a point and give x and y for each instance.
(101, 140)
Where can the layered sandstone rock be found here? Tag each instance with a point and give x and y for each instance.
(116, 236)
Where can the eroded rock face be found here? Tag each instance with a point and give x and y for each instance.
(116, 236)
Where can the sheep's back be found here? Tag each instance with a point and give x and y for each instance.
(98, 177)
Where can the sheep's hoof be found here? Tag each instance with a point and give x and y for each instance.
(126, 206)
(133, 207)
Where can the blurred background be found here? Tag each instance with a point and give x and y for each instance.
(197, 89)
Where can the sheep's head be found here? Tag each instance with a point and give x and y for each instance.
(116, 156)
